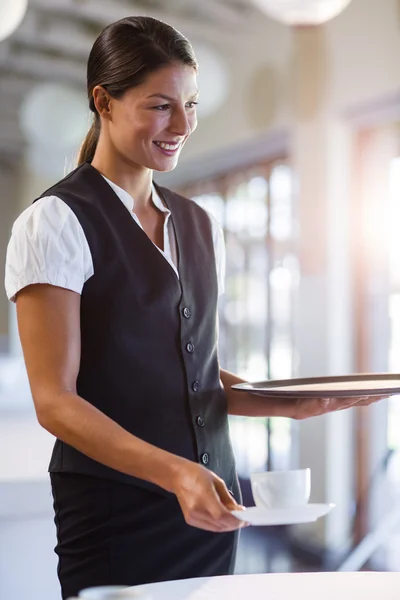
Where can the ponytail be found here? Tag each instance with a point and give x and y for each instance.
(88, 148)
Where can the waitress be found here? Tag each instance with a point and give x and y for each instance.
(116, 282)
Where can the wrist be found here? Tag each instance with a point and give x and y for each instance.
(281, 407)
(292, 409)
(169, 471)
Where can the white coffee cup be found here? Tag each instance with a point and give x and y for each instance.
(281, 489)
(113, 592)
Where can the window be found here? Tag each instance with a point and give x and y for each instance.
(377, 314)
(393, 225)
(255, 209)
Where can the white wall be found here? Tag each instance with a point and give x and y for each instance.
(362, 47)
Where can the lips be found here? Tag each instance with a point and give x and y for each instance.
(168, 145)
(168, 148)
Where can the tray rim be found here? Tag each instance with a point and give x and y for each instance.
(268, 387)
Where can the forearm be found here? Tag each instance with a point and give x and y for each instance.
(81, 425)
(249, 405)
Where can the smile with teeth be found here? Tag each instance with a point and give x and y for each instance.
(167, 146)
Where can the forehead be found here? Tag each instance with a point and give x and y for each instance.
(174, 80)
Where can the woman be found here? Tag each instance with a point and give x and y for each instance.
(116, 283)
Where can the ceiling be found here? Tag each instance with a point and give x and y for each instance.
(55, 37)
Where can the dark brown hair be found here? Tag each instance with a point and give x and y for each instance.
(123, 56)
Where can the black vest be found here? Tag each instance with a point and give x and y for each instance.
(148, 339)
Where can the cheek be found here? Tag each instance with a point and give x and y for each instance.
(147, 125)
(129, 122)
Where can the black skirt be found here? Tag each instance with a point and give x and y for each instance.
(111, 533)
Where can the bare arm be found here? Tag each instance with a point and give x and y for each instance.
(250, 405)
(49, 327)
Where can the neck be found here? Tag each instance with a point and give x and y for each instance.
(134, 179)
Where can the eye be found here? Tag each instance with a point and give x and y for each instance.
(191, 104)
(162, 107)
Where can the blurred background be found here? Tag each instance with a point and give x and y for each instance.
(297, 154)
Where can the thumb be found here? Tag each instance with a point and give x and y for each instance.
(324, 402)
(227, 500)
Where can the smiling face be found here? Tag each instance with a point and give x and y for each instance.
(149, 125)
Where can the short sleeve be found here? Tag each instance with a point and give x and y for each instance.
(47, 245)
(219, 251)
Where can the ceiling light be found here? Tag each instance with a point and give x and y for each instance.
(302, 12)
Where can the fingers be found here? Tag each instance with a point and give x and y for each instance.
(215, 526)
(313, 407)
(324, 403)
(335, 404)
(207, 524)
(343, 403)
(367, 400)
(359, 401)
(226, 503)
(224, 496)
(207, 504)
(214, 517)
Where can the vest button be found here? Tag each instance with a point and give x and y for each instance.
(205, 458)
(190, 347)
(200, 422)
(196, 386)
(186, 312)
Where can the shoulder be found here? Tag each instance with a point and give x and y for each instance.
(47, 245)
(49, 212)
(48, 227)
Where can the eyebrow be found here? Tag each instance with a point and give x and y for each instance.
(169, 98)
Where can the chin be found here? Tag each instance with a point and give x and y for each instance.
(164, 167)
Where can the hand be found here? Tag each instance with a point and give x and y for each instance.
(204, 498)
(314, 407)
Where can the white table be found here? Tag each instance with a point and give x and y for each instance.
(282, 586)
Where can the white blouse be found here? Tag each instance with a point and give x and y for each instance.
(48, 245)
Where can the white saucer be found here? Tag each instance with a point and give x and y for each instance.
(258, 515)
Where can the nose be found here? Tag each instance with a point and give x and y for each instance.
(181, 123)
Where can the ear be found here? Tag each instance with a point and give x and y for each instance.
(102, 101)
